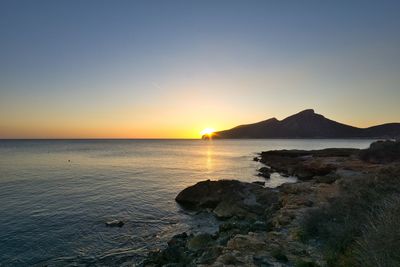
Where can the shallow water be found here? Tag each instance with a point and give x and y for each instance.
(56, 195)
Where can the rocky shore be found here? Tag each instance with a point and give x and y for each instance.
(274, 227)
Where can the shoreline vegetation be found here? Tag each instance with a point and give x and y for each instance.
(343, 211)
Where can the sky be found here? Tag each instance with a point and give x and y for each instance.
(169, 69)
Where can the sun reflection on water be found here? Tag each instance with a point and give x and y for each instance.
(209, 157)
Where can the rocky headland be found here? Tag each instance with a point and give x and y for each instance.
(306, 124)
(330, 217)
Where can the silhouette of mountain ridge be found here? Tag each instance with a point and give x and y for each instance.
(306, 124)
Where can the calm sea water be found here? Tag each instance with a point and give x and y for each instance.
(55, 196)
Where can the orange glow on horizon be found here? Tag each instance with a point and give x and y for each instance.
(129, 123)
(208, 132)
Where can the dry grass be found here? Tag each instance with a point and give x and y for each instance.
(361, 220)
(379, 244)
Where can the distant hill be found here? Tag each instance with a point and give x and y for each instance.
(306, 124)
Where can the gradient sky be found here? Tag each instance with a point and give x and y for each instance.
(168, 69)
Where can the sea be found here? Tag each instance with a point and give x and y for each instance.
(56, 195)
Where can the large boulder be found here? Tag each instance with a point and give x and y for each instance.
(228, 198)
(381, 152)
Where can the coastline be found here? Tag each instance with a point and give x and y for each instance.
(274, 227)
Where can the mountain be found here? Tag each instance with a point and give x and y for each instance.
(307, 124)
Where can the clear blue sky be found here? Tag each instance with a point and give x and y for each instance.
(171, 68)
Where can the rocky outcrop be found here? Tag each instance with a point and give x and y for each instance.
(248, 200)
(263, 226)
(305, 164)
(382, 152)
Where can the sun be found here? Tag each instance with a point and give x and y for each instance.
(207, 131)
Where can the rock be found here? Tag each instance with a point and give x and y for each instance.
(172, 255)
(228, 198)
(246, 242)
(265, 169)
(223, 240)
(262, 261)
(303, 163)
(307, 203)
(295, 188)
(228, 209)
(306, 263)
(278, 254)
(265, 172)
(178, 240)
(224, 227)
(282, 219)
(259, 226)
(115, 223)
(209, 255)
(207, 194)
(381, 152)
(265, 175)
(200, 241)
(263, 226)
(326, 179)
(175, 254)
(308, 171)
(241, 225)
(228, 259)
(294, 153)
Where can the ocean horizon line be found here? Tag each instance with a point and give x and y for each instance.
(177, 139)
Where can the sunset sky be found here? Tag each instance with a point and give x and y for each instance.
(169, 69)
